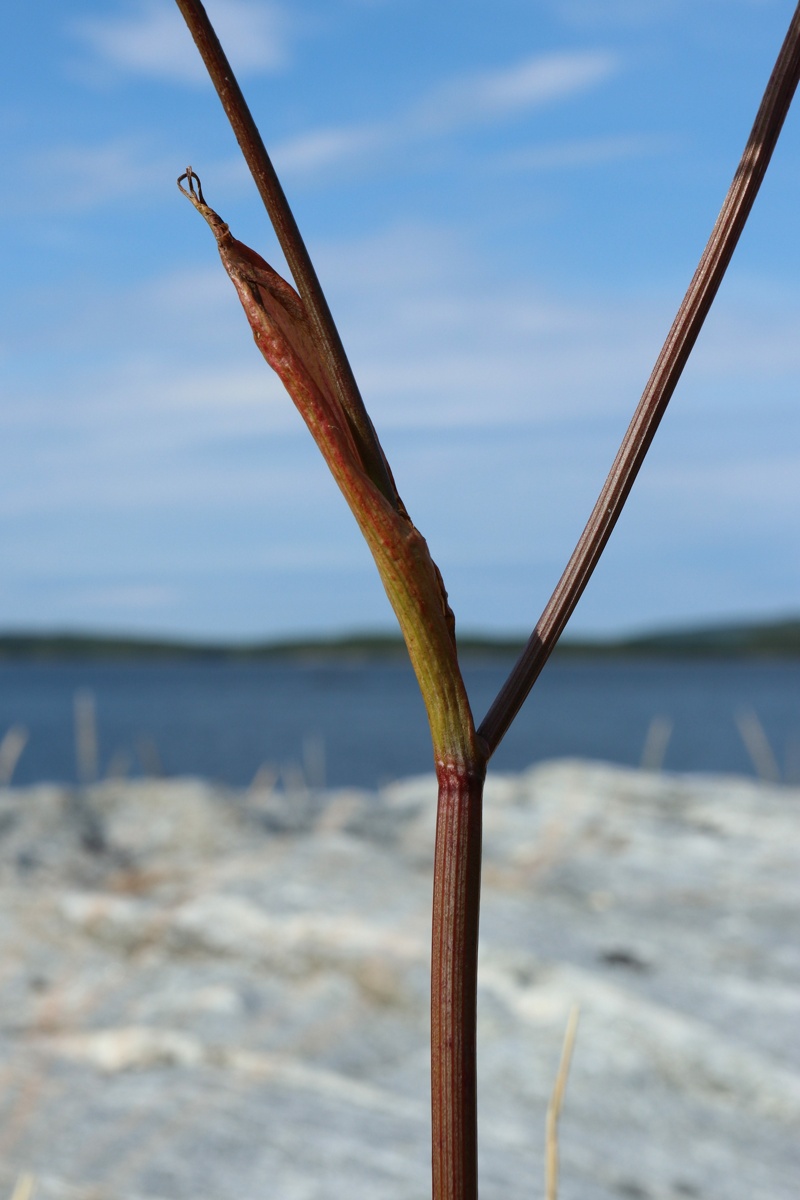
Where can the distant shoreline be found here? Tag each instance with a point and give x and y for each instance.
(774, 639)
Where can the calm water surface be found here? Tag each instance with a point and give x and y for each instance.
(364, 724)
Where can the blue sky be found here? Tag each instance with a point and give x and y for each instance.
(505, 202)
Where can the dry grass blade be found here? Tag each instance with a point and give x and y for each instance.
(23, 1188)
(554, 1107)
(12, 744)
(757, 745)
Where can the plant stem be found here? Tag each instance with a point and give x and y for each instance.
(420, 602)
(454, 980)
(291, 242)
(658, 392)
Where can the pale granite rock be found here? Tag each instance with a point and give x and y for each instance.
(219, 994)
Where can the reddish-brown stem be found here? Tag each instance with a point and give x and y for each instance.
(291, 242)
(454, 980)
(660, 387)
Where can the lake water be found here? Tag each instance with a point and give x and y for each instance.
(364, 724)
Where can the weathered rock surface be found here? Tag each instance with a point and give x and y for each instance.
(215, 994)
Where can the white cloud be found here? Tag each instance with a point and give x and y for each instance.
(556, 156)
(740, 491)
(461, 104)
(178, 410)
(491, 399)
(153, 40)
(749, 336)
(127, 598)
(637, 13)
(615, 12)
(494, 95)
(321, 148)
(77, 178)
(81, 178)
(435, 343)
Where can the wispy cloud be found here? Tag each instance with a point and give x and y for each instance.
(71, 178)
(472, 100)
(79, 178)
(321, 148)
(437, 344)
(489, 96)
(152, 39)
(588, 14)
(127, 599)
(614, 12)
(584, 152)
(491, 399)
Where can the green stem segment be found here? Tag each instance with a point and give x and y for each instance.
(286, 336)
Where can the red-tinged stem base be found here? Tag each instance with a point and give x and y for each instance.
(454, 980)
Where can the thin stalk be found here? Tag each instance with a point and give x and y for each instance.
(658, 392)
(454, 980)
(555, 1106)
(291, 242)
(417, 594)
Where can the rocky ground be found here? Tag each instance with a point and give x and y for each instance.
(216, 994)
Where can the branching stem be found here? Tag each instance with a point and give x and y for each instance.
(354, 454)
(660, 387)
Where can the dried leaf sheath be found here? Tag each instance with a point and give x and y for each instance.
(412, 581)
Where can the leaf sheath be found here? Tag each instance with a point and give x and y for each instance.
(285, 337)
